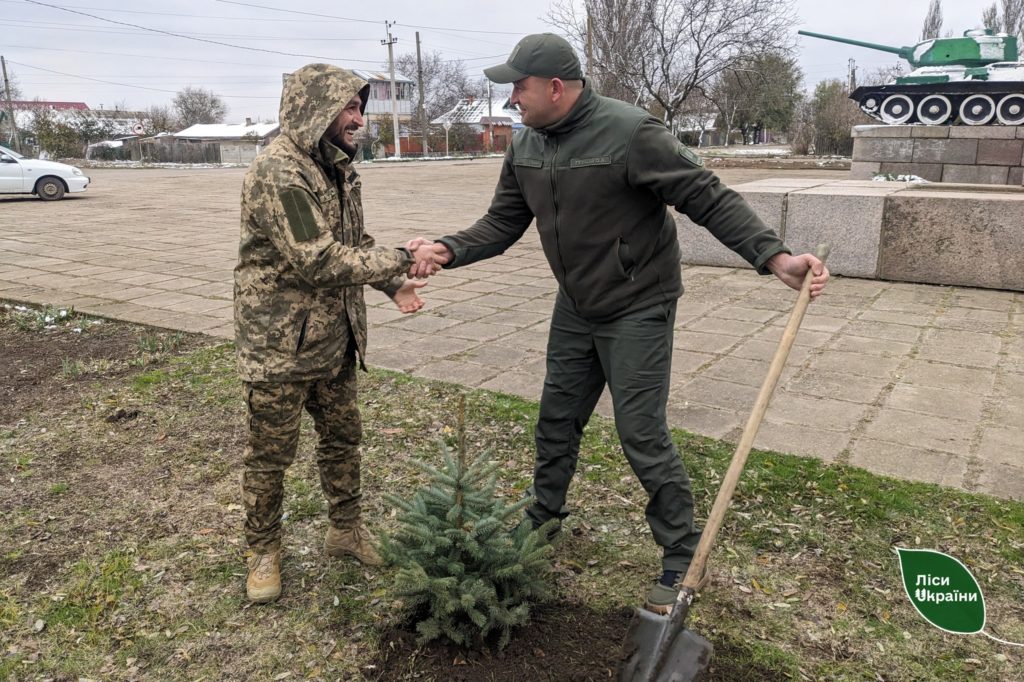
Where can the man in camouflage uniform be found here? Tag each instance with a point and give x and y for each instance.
(300, 319)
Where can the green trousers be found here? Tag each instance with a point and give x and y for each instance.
(275, 411)
(632, 355)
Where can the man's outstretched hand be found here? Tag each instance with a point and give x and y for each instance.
(429, 257)
(406, 298)
(791, 270)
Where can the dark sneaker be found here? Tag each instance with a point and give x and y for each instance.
(661, 598)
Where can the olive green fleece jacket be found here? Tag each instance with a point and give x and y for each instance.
(599, 182)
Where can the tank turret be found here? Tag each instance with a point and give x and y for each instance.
(974, 80)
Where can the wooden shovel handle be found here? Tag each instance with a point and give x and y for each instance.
(739, 459)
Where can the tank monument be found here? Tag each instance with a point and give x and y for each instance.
(956, 121)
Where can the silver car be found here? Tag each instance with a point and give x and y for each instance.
(46, 179)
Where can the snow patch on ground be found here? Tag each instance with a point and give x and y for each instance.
(889, 177)
(153, 164)
(744, 150)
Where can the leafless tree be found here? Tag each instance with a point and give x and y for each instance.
(12, 83)
(445, 81)
(161, 120)
(612, 45)
(197, 105)
(673, 48)
(990, 17)
(932, 21)
(1010, 20)
(883, 75)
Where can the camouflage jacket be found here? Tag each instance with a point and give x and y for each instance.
(303, 256)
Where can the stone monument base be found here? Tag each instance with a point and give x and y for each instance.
(964, 235)
(988, 155)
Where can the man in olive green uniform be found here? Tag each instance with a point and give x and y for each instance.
(597, 175)
(300, 319)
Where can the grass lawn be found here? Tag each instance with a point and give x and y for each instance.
(121, 553)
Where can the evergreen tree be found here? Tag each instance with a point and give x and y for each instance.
(464, 574)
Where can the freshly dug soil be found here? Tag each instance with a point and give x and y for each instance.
(563, 643)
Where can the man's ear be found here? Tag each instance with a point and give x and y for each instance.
(556, 89)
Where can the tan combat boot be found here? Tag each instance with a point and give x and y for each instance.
(354, 541)
(263, 584)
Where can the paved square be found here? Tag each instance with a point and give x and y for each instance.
(914, 381)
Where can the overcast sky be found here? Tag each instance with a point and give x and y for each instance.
(53, 52)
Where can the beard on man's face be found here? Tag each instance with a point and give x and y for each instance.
(341, 141)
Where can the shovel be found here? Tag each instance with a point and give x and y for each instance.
(659, 648)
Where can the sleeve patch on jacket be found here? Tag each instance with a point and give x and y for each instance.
(689, 155)
(300, 213)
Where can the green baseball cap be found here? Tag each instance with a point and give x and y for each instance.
(541, 54)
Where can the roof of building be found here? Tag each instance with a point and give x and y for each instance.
(381, 76)
(37, 104)
(475, 111)
(228, 131)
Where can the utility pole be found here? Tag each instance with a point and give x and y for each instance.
(394, 102)
(490, 120)
(419, 81)
(10, 107)
(590, 46)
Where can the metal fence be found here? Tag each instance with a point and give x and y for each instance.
(829, 145)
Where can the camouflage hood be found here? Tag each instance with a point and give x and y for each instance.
(312, 97)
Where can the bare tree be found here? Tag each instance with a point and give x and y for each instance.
(196, 105)
(990, 17)
(1009, 21)
(161, 119)
(617, 33)
(883, 75)
(445, 81)
(674, 48)
(932, 21)
(1013, 17)
(12, 83)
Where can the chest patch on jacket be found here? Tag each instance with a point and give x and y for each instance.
(689, 155)
(594, 161)
(299, 211)
(529, 163)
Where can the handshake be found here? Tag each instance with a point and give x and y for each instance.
(429, 257)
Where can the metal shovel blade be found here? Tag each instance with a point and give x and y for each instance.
(685, 660)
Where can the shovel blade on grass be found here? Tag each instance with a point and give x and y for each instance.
(685, 660)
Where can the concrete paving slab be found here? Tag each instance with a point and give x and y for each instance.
(873, 379)
(909, 462)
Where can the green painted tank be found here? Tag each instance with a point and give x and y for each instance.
(974, 80)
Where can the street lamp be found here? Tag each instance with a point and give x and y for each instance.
(447, 127)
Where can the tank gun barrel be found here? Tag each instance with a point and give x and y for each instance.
(904, 52)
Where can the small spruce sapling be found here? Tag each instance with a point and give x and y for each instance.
(466, 569)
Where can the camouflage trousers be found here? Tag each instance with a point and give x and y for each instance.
(275, 410)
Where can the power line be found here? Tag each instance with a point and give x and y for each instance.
(295, 11)
(367, 21)
(48, 26)
(201, 40)
(125, 85)
(140, 56)
(184, 16)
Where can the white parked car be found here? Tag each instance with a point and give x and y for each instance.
(47, 179)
